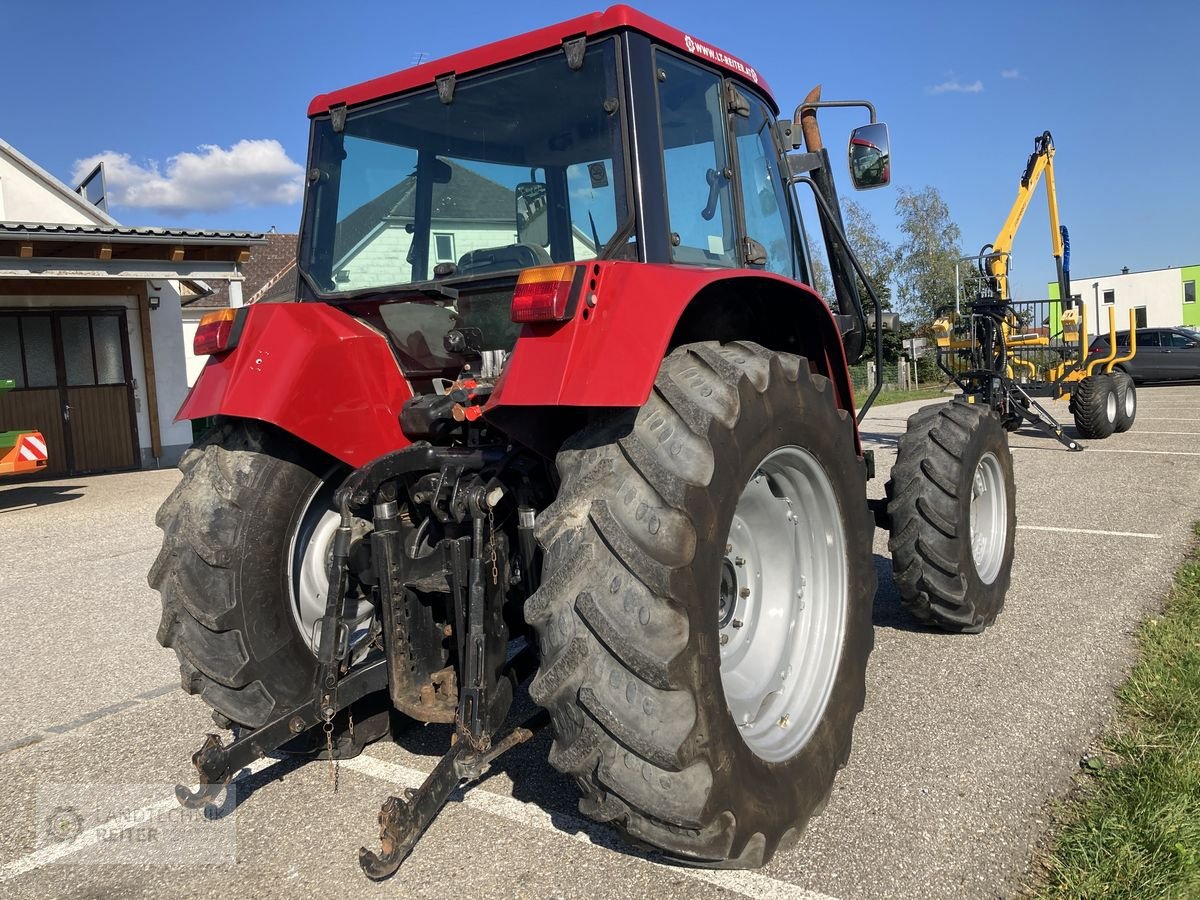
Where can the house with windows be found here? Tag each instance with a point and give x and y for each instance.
(90, 324)
(1158, 298)
(473, 224)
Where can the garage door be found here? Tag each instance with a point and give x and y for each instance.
(73, 383)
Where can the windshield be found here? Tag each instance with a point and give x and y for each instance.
(524, 166)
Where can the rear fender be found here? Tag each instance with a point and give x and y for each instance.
(314, 371)
(630, 317)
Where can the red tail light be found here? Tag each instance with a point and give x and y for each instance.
(542, 294)
(218, 332)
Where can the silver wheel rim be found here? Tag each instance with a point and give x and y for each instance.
(989, 518)
(310, 552)
(1110, 406)
(1130, 402)
(782, 603)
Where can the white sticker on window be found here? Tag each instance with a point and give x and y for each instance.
(715, 245)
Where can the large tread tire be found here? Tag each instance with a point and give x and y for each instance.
(929, 503)
(222, 576)
(1126, 401)
(1095, 416)
(626, 615)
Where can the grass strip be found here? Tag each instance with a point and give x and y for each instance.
(1133, 827)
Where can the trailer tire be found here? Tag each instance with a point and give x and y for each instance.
(222, 576)
(1094, 406)
(952, 549)
(636, 558)
(1126, 400)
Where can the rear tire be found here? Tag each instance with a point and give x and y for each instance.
(636, 550)
(952, 503)
(223, 576)
(1126, 401)
(1094, 406)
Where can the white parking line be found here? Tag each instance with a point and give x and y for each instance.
(749, 884)
(1130, 534)
(1090, 448)
(52, 853)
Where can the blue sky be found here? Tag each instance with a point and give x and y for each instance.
(964, 87)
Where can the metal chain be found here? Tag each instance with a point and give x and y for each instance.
(334, 768)
(492, 545)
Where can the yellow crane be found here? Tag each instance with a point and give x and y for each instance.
(1006, 352)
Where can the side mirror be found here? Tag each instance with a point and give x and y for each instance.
(870, 156)
(532, 226)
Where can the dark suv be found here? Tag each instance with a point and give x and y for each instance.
(1163, 354)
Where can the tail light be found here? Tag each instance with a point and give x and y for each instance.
(543, 294)
(218, 332)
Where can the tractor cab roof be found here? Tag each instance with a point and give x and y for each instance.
(615, 18)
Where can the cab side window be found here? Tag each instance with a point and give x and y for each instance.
(696, 162)
(764, 197)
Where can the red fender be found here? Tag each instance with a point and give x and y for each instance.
(608, 353)
(314, 371)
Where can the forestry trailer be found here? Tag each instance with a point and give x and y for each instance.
(557, 400)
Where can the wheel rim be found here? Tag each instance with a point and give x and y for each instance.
(1110, 406)
(310, 555)
(782, 603)
(989, 518)
(1130, 402)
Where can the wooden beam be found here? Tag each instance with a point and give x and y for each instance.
(176, 254)
(26, 250)
(60, 287)
(243, 257)
(104, 252)
(148, 360)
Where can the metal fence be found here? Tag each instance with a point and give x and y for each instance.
(899, 375)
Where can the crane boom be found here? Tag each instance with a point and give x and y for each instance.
(1040, 162)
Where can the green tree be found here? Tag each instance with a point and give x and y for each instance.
(925, 261)
(877, 256)
(820, 267)
(878, 259)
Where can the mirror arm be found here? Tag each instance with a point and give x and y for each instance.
(833, 221)
(825, 104)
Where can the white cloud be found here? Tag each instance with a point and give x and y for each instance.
(212, 179)
(953, 86)
(1010, 73)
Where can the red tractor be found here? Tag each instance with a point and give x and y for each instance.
(557, 400)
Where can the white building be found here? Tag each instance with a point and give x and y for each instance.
(1159, 298)
(90, 326)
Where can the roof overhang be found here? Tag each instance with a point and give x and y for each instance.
(101, 251)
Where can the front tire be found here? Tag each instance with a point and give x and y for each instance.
(638, 681)
(226, 578)
(952, 503)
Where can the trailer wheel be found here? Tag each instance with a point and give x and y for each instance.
(952, 503)
(704, 617)
(1094, 405)
(1126, 401)
(242, 555)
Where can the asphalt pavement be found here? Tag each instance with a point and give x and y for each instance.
(964, 744)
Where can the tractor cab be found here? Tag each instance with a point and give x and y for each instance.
(609, 138)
